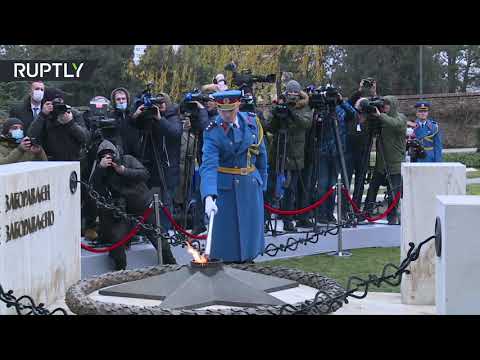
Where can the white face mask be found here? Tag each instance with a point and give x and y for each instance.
(37, 95)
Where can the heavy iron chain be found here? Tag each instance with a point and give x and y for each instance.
(391, 274)
(175, 239)
(25, 305)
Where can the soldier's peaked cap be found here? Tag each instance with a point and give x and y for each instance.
(422, 105)
(227, 100)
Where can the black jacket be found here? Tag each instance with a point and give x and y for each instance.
(61, 142)
(130, 186)
(167, 134)
(23, 111)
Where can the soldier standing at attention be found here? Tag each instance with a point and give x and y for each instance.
(233, 179)
(428, 133)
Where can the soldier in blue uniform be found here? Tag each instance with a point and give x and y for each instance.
(428, 133)
(233, 178)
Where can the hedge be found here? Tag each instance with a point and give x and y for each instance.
(471, 160)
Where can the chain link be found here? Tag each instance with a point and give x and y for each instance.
(25, 305)
(323, 303)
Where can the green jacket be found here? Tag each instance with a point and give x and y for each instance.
(394, 127)
(296, 127)
(12, 153)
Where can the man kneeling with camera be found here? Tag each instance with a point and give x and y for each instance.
(15, 147)
(122, 180)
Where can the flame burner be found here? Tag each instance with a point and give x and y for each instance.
(205, 284)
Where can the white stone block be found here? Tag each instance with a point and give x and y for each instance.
(39, 258)
(458, 267)
(422, 182)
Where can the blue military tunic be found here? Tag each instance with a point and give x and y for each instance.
(238, 232)
(430, 138)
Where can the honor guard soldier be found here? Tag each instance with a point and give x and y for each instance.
(233, 178)
(428, 133)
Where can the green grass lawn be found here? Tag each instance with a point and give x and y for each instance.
(473, 189)
(361, 263)
(473, 174)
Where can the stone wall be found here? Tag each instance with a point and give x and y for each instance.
(457, 114)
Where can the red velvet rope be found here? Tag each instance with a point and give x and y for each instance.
(181, 229)
(304, 210)
(124, 240)
(378, 217)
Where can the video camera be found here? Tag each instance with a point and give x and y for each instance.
(415, 149)
(323, 98)
(188, 106)
(370, 105)
(147, 100)
(97, 117)
(245, 78)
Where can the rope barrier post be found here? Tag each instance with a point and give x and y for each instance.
(340, 252)
(156, 205)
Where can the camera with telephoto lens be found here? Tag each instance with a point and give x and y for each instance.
(147, 99)
(188, 105)
(415, 149)
(370, 105)
(245, 78)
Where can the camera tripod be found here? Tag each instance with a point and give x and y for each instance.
(374, 132)
(330, 119)
(189, 170)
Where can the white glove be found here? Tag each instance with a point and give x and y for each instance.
(210, 206)
(410, 131)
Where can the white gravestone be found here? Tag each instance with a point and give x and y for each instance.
(39, 230)
(422, 182)
(458, 267)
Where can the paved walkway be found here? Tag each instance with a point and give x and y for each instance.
(462, 150)
(473, 181)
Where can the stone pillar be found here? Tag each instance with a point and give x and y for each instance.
(458, 266)
(422, 182)
(39, 230)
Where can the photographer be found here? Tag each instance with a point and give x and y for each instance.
(327, 155)
(390, 149)
(357, 135)
(160, 141)
(122, 179)
(14, 147)
(60, 130)
(126, 136)
(293, 116)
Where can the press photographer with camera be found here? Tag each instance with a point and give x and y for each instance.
(358, 137)
(390, 149)
(289, 120)
(160, 130)
(15, 147)
(122, 180)
(325, 157)
(61, 130)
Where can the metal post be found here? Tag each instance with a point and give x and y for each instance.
(340, 252)
(156, 205)
(421, 70)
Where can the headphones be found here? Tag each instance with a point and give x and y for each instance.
(215, 81)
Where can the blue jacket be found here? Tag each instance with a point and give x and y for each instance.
(326, 141)
(431, 139)
(238, 226)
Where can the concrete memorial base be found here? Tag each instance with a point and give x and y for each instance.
(39, 230)
(422, 182)
(458, 256)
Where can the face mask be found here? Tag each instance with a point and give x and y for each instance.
(17, 134)
(122, 107)
(37, 95)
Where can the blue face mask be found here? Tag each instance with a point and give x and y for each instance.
(17, 134)
(122, 107)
